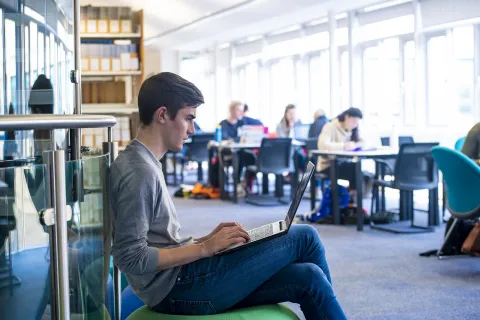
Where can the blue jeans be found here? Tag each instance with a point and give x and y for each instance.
(291, 268)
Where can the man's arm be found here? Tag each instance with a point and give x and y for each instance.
(136, 195)
(225, 237)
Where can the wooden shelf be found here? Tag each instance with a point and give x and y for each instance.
(111, 73)
(120, 108)
(110, 35)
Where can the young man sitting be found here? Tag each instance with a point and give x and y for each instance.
(176, 275)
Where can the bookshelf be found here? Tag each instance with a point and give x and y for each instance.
(111, 73)
(112, 68)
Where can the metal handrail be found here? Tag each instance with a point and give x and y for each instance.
(55, 121)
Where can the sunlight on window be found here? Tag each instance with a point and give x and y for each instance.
(341, 36)
(10, 68)
(463, 73)
(252, 89)
(304, 110)
(438, 96)
(33, 52)
(344, 81)
(319, 70)
(409, 83)
(382, 81)
(387, 28)
(282, 87)
(41, 53)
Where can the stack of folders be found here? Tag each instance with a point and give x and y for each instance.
(109, 56)
(106, 20)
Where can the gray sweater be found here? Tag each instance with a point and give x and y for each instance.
(144, 219)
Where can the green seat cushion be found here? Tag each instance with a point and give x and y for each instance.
(266, 312)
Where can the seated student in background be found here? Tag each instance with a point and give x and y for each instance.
(341, 134)
(181, 275)
(233, 122)
(230, 132)
(319, 121)
(250, 121)
(471, 147)
(285, 129)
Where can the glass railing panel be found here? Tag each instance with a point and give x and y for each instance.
(86, 189)
(24, 242)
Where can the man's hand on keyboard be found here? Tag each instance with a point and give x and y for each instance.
(224, 238)
(218, 228)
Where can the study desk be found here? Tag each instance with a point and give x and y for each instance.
(355, 157)
(234, 148)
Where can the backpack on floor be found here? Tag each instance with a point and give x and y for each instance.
(454, 244)
(325, 208)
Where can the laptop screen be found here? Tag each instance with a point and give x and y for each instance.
(299, 194)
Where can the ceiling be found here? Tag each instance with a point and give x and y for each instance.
(163, 15)
(193, 25)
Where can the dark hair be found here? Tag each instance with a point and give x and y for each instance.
(245, 108)
(287, 108)
(166, 89)
(353, 113)
(41, 96)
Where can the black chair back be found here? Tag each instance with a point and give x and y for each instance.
(415, 168)
(311, 144)
(198, 148)
(401, 140)
(275, 156)
(301, 131)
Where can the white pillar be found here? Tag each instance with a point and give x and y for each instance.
(334, 69)
(420, 67)
(354, 61)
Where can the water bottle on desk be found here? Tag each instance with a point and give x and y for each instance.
(218, 133)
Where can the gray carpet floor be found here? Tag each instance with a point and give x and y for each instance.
(376, 275)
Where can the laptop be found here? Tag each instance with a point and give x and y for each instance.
(277, 228)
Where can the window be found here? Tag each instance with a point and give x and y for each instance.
(450, 70)
(222, 94)
(47, 57)
(252, 89)
(344, 81)
(319, 71)
(33, 52)
(2, 96)
(26, 80)
(41, 53)
(53, 59)
(238, 84)
(10, 71)
(463, 74)
(282, 88)
(302, 91)
(409, 83)
(381, 76)
(387, 28)
(438, 97)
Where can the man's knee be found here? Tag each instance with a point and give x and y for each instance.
(311, 234)
(311, 278)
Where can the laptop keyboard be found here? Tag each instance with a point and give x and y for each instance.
(261, 232)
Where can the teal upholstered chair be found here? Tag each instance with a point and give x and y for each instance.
(267, 312)
(458, 146)
(462, 178)
(459, 143)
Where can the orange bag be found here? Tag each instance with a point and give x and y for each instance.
(471, 244)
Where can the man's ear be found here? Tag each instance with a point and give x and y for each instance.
(161, 114)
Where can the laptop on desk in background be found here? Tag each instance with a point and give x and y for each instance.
(251, 134)
(277, 228)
